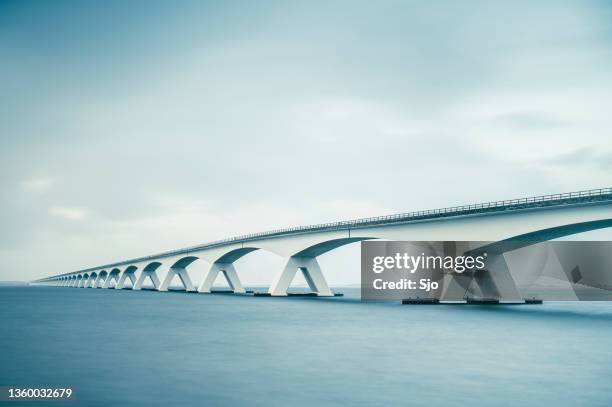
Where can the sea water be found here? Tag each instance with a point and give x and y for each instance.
(142, 348)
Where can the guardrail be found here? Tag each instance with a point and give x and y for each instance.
(569, 198)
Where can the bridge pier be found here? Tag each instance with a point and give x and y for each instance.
(87, 281)
(124, 276)
(309, 266)
(183, 276)
(230, 274)
(143, 275)
(497, 282)
(494, 283)
(99, 280)
(109, 280)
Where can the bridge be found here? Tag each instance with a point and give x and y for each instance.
(533, 219)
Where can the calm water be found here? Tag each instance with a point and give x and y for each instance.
(127, 348)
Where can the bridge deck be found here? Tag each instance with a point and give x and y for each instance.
(486, 208)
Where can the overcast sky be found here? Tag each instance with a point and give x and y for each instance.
(129, 128)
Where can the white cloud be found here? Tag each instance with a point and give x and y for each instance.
(71, 213)
(37, 184)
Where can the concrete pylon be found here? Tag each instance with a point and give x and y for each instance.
(497, 282)
(143, 275)
(494, 283)
(230, 274)
(309, 266)
(98, 280)
(455, 287)
(183, 276)
(124, 276)
(90, 280)
(109, 280)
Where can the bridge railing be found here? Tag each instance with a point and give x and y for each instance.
(511, 204)
(569, 198)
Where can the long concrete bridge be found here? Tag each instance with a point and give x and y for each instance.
(533, 219)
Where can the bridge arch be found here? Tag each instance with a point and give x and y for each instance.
(128, 274)
(92, 278)
(329, 245)
(112, 275)
(102, 277)
(498, 249)
(542, 235)
(178, 268)
(223, 262)
(305, 261)
(184, 262)
(149, 271)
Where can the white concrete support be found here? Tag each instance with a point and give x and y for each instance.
(82, 282)
(109, 279)
(124, 276)
(230, 274)
(97, 281)
(183, 276)
(494, 283)
(74, 283)
(143, 275)
(309, 266)
(455, 287)
(497, 282)
(89, 281)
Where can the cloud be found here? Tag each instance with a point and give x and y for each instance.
(583, 156)
(37, 184)
(530, 121)
(71, 213)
